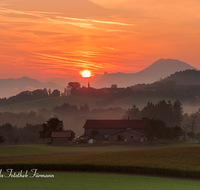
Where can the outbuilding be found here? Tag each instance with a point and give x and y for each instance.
(61, 137)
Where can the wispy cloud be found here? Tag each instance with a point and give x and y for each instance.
(110, 48)
(32, 13)
(82, 25)
(68, 61)
(96, 21)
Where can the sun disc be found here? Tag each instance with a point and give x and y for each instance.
(86, 73)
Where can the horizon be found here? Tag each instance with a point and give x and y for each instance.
(92, 75)
(49, 39)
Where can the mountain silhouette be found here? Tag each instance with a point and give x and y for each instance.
(159, 69)
(10, 87)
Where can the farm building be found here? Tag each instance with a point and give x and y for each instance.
(61, 137)
(116, 129)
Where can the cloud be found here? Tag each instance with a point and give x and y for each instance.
(110, 3)
(96, 21)
(67, 61)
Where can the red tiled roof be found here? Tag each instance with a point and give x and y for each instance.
(61, 134)
(115, 124)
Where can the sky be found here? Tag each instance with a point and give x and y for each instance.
(59, 38)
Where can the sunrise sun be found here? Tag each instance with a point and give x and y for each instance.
(86, 73)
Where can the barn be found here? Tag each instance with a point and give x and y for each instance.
(111, 129)
(128, 135)
(61, 137)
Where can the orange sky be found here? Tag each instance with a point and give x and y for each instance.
(59, 38)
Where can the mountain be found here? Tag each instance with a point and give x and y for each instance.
(10, 87)
(159, 69)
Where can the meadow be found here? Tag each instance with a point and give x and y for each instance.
(179, 161)
(98, 181)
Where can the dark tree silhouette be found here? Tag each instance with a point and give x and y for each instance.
(1, 139)
(55, 93)
(133, 113)
(74, 88)
(155, 129)
(177, 113)
(53, 124)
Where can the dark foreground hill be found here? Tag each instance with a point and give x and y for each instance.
(187, 77)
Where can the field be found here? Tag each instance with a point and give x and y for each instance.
(91, 181)
(181, 161)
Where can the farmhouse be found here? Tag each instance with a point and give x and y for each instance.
(128, 135)
(117, 130)
(61, 137)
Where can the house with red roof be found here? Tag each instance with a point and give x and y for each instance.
(117, 130)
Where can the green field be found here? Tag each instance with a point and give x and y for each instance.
(180, 161)
(91, 181)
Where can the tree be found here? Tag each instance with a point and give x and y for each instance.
(72, 135)
(177, 132)
(190, 134)
(177, 112)
(1, 139)
(148, 110)
(55, 93)
(155, 129)
(185, 130)
(163, 111)
(53, 124)
(16, 140)
(133, 113)
(113, 86)
(74, 88)
(84, 109)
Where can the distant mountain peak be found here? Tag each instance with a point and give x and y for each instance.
(159, 69)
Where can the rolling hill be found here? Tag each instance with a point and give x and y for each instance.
(11, 86)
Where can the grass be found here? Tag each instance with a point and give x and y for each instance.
(87, 181)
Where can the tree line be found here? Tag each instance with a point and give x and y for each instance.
(29, 96)
(30, 134)
(170, 113)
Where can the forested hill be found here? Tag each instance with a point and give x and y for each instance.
(187, 77)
